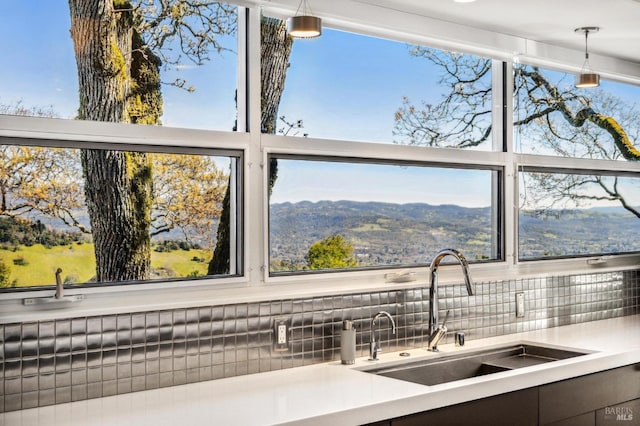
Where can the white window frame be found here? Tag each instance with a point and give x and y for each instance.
(255, 283)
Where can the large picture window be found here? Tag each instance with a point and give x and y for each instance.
(111, 216)
(327, 214)
(175, 65)
(371, 153)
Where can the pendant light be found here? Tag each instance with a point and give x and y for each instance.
(587, 77)
(305, 25)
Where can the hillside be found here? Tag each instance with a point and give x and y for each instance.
(387, 234)
(381, 233)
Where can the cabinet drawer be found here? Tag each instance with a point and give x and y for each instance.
(577, 396)
(515, 408)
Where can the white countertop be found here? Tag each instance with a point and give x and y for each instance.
(335, 394)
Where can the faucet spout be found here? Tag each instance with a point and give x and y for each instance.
(374, 347)
(437, 332)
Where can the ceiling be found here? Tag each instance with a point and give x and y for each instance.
(547, 21)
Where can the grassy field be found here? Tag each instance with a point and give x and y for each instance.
(36, 265)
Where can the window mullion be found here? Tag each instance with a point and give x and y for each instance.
(510, 181)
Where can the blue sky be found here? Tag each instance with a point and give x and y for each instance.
(357, 100)
(297, 181)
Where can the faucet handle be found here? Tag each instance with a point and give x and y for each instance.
(438, 334)
(435, 338)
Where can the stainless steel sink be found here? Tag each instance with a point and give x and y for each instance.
(472, 364)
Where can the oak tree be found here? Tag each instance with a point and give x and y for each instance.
(550, 115)
(119, 47)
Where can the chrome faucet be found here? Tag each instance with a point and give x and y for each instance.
(374, 347)
(437, 332)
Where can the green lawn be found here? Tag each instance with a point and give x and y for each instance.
(36, 265)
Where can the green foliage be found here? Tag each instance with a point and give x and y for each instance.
(167, 246)
(5, 276)
(16, 231)
(331, 252)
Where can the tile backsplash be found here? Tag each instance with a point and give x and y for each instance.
(49, 362)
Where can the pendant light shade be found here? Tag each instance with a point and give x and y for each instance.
(586, 80)
(304, 25)
(587, 77)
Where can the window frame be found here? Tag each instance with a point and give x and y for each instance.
(35, 131)
(255, 284)
(497, 208)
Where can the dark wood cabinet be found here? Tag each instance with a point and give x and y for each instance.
(514, 408)
(605, 398)
(587, 419)
(586, 394)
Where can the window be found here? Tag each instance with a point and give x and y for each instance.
(177, 78)
(127, 204)
(552, 117)
(110, 216)
(327, 214)
(353, 87)
(572, 214)
(576, 211)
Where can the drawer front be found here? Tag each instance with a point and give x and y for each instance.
(583, 394)
(515, 408)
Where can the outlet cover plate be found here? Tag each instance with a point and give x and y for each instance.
(281, 330)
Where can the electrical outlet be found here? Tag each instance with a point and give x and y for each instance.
(281, 334)
(520, 305)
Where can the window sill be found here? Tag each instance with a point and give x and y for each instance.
(116, 300)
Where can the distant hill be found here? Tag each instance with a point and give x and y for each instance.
(574, 232)
(381, 233)
(387, 233)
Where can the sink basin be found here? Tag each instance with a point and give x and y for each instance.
(472, 364)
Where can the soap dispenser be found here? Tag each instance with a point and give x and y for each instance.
(348, 343)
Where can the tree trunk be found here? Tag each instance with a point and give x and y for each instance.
(220, 263)
(119, 199)
(118, 185)
(275, 51)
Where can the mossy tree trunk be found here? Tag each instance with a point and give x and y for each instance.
(276, 47)
(118, 185)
